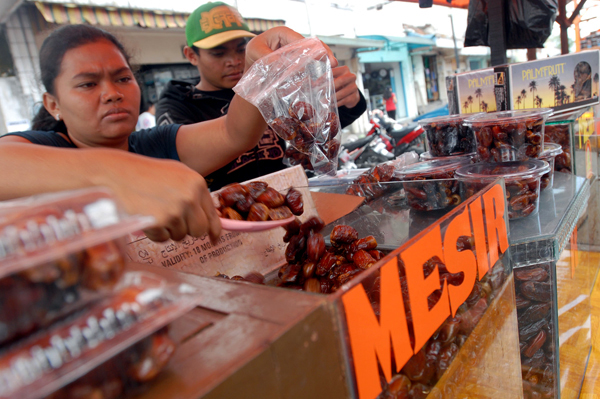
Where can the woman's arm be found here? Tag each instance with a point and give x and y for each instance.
(168, 190)
(208, 146)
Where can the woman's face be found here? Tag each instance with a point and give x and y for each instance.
(97, 96)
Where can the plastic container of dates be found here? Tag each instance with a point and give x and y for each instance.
(427, 156)
(509, 135)
(561, 133)
(448, 135)
(551, 151)
(59, 252)
(118, 344)
(522, 180)
(431, 185)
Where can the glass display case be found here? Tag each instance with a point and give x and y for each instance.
(553, 286)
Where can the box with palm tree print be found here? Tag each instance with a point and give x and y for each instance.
(473, 92)
(563, 83)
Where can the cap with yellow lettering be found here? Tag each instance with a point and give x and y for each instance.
(213, 24)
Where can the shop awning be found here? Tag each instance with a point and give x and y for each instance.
(109, 16)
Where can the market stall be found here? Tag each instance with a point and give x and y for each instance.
(456, 276)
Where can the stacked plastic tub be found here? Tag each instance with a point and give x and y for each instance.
(74, 322)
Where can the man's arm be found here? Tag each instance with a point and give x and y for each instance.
(351, 102)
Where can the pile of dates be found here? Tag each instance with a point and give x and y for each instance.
(123, 373)
(536, 336)
(313, 267)
(449, 136)
(307, 135)
(559, 134)
(367, 184)
(257, 202)
(522, 194)
(422, 372)
(509, 141)
(39, 295)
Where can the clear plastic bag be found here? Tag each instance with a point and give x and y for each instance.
(294, 90)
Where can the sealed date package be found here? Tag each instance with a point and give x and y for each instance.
(118, 344)
(59, 253)
(294, 90)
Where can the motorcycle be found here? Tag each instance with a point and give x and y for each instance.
(398, 139)
(351, 151)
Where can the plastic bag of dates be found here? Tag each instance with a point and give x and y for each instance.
(551, 151)
(509, 135)
(59, 253)
(521, 178)
(118, 343)
(448, 135)
(431, 185)
(293, 89)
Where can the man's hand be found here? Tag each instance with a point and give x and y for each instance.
(273, 39)
(346, 90)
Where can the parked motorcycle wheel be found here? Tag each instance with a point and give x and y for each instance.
(369, 158)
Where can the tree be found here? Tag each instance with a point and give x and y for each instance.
(466, 106)
(479, 94)
(554, 84)
(573, 91)
(523, 96)
(470, 100)
(540, 101)
(533, 89)
(564, 98)
(484, 106)
(518, 101)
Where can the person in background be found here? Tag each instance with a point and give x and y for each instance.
(84, 135)
(390, 102)
(216, 37)
(147, 119)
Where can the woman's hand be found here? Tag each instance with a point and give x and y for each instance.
(174, 194)
(346, 90)
(273, 39)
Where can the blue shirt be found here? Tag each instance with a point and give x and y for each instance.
(157, 142)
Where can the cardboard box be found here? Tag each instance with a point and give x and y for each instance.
(563, 83)
(472, 92)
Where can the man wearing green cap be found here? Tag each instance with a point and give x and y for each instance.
(216, 37)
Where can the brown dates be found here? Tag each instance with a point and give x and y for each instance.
(257, 202)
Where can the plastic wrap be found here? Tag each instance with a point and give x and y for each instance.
(141, 304)
(59, 252)
(294, 90)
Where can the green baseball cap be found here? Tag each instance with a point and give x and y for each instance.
(213, 24)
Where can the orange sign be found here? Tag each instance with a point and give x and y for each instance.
(373, 342)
